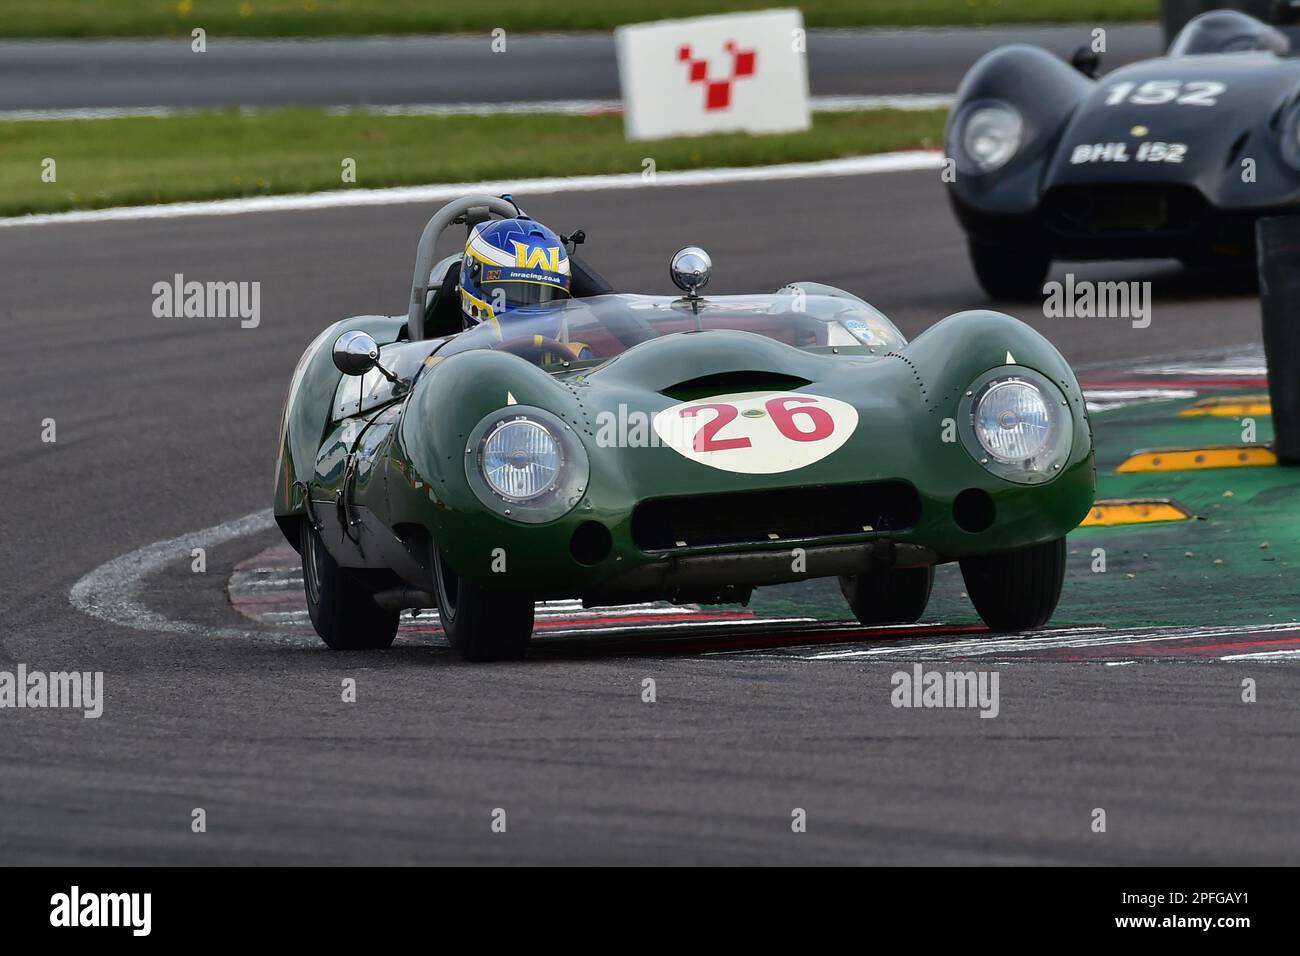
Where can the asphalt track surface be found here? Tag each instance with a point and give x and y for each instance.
(52, 75)
(167, 426)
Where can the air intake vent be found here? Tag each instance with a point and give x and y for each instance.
(764, 517)
(726, 383)
(1100, 210)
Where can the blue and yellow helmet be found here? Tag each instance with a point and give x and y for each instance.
(511, 264)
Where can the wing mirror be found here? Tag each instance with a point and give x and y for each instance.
(356, 353)
(690, 269)
(1087, 61)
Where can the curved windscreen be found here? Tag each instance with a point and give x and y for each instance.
(1228, 31)
(601, 327)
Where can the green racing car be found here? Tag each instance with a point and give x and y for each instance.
(618, 448)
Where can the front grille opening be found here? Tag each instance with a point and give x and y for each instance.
(766, 517)
(1123, 210)
(726, 383)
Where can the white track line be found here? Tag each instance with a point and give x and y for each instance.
(1109, 399)
(111, 591)
(1265, 656)
(1065, 640)
(853, 166)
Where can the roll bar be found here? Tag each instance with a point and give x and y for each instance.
(467, 209)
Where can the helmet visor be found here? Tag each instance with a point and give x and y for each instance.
(514, 294)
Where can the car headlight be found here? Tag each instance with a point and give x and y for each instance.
(526, 464)
(1018, 426)
(991, 135)
(1012, 421)
(521, 459)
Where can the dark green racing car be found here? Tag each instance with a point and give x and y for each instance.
(619, 448)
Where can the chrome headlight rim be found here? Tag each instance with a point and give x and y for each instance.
(1051, 459)
(967, 161)
(560, 496)
(1290, 138)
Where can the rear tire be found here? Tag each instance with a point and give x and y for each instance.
(1016, 590)
(1009, 272)
(894, 596)
(481, 625)
(343, 612)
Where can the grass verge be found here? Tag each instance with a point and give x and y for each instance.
(95, 18)
(217, 155)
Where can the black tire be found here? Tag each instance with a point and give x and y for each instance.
(343, 612)
(482, 625)
(1009, 272)
(1016, 590)
(895, 596)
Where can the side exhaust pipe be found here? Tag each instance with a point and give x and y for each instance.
(403, 598)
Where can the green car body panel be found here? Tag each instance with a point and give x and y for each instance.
(392, 481)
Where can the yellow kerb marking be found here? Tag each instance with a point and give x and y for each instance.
(1191, 459)
(1117, 511)
(1230, 406)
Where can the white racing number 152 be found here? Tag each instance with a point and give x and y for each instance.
(1158, 92)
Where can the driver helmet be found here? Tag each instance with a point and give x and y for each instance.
(511, 264)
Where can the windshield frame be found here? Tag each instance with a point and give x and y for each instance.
(578, 333)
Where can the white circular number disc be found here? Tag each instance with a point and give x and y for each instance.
(757, 433)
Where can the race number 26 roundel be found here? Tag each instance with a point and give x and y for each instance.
(757, 433)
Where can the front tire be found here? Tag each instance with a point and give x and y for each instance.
(481, 625)
(895, 596)
(343, 612)
(1016, 590)
(1009, 272)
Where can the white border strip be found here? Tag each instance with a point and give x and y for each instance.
(852, 166)
(819, 104)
